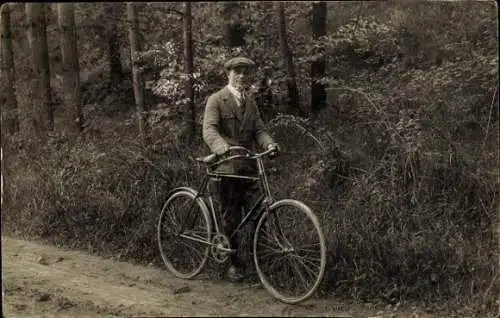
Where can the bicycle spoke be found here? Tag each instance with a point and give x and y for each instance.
(271, 240)
(282, 241)
(300, 274)
(301, 261)
(190, 246)
(272, 262)
(177, 248)
(271, 253)
(270, 247)
(279, 232)
(275, 261)
(309, 260)
(183, 207)
(181, 248)
(172, 218)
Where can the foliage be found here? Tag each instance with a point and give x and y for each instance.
(94, 195)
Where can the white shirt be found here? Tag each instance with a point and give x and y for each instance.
(236, 94)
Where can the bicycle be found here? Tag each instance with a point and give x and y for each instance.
(277, 237)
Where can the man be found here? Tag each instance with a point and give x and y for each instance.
(233, 119)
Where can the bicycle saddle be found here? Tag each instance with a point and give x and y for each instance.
(207, 159)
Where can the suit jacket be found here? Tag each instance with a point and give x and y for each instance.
(225, 123)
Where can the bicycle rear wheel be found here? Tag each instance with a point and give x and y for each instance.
(183, 233)
(289, 251)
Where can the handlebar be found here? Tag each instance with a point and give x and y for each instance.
(249, 154)
(214, 159)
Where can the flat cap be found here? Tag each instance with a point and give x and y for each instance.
(238, 61)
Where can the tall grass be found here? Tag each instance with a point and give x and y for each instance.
(402, 222)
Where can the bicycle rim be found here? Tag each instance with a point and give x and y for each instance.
(183, 214)
(290, 251)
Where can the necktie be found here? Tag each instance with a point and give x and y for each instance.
(242, 98)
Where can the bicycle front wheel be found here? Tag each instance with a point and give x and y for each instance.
(289, 251)
(184, 231)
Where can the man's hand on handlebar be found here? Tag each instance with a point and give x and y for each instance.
(274, 150)
(234, 151)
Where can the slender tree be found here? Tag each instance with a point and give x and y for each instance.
(10, 119)
(318, 91)
(37, 37)
(189, 68)
(135, 46)
(70, 69)
(113, 12)
(293, 93)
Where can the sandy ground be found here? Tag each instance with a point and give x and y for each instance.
(45, 281)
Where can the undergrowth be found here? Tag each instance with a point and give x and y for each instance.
(410, 226)
(412, 222)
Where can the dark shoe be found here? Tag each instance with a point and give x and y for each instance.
(235, 274)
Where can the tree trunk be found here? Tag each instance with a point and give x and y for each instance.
(9, 111)
(70, 70)
(135, 46)
(113, 13)
(189, 68)
(37, 37)
(318, 92)
(10, 118)
(293, 93)
(233, 29)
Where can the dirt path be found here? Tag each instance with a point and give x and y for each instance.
(45, 281)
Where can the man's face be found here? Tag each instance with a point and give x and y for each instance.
(239, 77)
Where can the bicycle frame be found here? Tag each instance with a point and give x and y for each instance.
(256, 210)
(260, 205)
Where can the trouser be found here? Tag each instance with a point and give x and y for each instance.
(233, 195)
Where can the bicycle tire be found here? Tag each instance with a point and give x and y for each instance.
(267, 229)
(166, 243)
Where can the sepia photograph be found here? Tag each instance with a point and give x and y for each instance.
(247, 158)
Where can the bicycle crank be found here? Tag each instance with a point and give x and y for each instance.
(221, 248)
